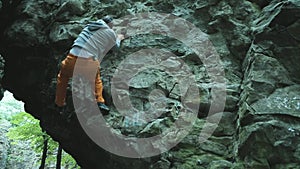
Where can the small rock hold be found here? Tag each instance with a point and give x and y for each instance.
(199, 162)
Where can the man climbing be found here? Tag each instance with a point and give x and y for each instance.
(94, 41)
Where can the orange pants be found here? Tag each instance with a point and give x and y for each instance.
(88, 66)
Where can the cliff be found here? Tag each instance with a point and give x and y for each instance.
(235, 62)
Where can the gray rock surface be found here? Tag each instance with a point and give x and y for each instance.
(269, 104)
(258, 44)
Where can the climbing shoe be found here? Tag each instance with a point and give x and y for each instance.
(103, 108)
(60, 109)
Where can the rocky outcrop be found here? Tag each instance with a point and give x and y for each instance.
(269, 104)
(258, 45)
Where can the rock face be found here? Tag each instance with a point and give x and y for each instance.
(258, 45)
(269, 105)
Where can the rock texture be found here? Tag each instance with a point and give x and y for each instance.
(258, 43)
(269, 105)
